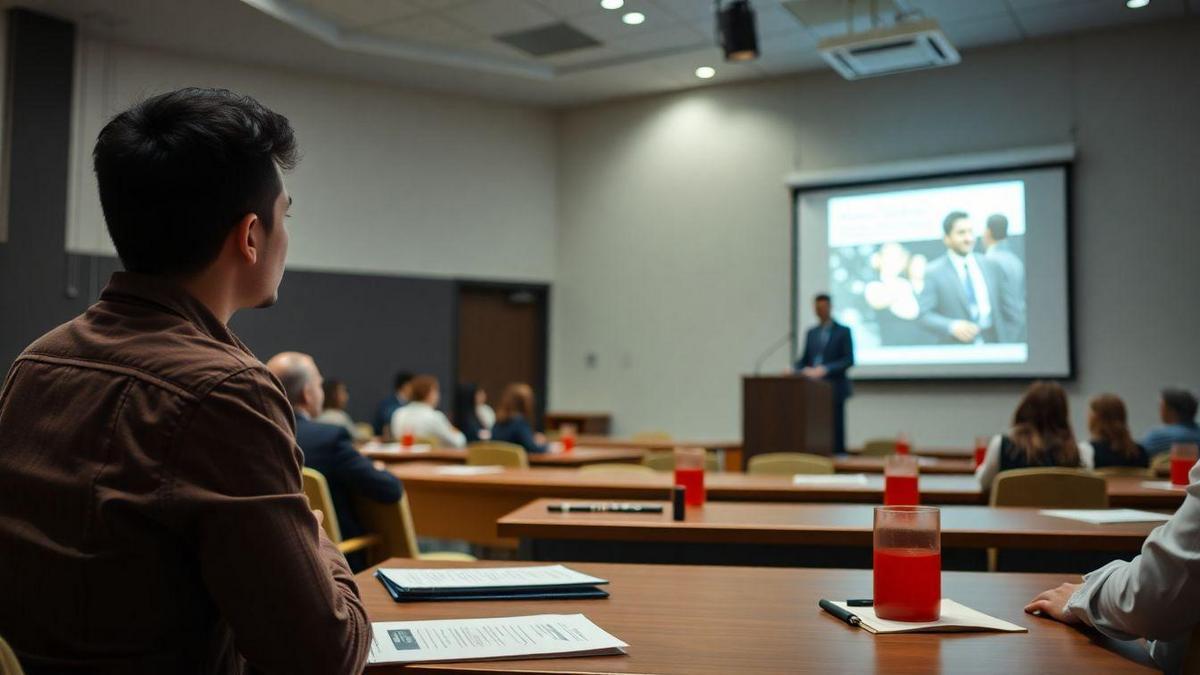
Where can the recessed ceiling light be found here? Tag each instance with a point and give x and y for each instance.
(612, 4)
(634, 18)
(706, 72)
(1136, 4)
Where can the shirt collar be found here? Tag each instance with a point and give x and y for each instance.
(146, 289)
(959, 258)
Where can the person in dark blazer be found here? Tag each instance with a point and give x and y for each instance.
(328, 448)
(514, 419)
(1112, 444)
(965, 299)
(382, 421)
(828, 354)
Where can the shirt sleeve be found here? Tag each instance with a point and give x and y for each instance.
(235, 498)
(987, 471)
(447, 432)
(1087, 455)
(352, 469)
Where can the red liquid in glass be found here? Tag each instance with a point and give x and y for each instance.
(902, 447)
(693, 480)
(900, 491)
(908, 584)
(1179, 470)
(406, 440)
(980, 453)
(568, 443)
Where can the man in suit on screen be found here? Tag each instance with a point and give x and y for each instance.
(963, 301)
(828, 354)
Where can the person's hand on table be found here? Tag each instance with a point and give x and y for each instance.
(379, 465)
(539, 438)
(964, 331)
(1053, 604)
(817, 372)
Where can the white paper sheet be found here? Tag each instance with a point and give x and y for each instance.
(832, 479)
(548, 576)
(1163, 485)
(460, 470)
(396, 448)
(543, 635)
(1105, 516)
(956, 618)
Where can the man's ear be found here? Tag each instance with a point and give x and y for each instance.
(248, 238)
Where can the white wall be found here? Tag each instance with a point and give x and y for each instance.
(392, 181)
(673, 258)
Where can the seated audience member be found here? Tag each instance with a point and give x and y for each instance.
(1155, 596)
(421, 418)
(472, 414)
(328, 448)
(1111, 443)
(152, 518)
(1177, 409)
(513, 419)
(337, 397)
(1040, 436)
(382, 423)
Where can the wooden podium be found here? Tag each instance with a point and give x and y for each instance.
(786, 413)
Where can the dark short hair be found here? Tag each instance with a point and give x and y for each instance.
(950, 219)
(1181, 401)
(822, 296)
(330, 388)
(997, 225)
(177, 172)
(423, 387)
(402, 378)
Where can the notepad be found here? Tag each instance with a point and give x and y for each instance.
(397, 449)
(835, 479)
(956, 618)
(1163, 485)
(487, 578)
(513, 637)
(459, 470)
(1106, 516)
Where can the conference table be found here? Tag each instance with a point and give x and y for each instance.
(926, 465)
(798, 534)
(701, 620)
(456, 506)
(579, 456)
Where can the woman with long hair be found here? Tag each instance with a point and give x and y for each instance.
(1111, 442)
(514, 419)
(1040, 436)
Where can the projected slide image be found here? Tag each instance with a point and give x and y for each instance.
(933, 275)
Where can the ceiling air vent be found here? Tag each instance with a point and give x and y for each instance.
(555, 38)
(911, 45)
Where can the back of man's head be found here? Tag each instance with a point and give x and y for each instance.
(295, 371)
(402, 378)
(179, 170)
(997, 227)
(1181, 403)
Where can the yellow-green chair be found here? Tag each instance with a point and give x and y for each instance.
(497, 453)
(316, 488)
(363, 431)
(1160, 464)
(393, 524)
(616, 469)
(1136, 471)
(788, 464)
(878, 447)
(664, 460)
(9, 665)
(1047, 488)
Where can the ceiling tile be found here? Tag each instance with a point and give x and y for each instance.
(689, 10)
(494, 17)
(582, 57)
(771, 20)
(606, 26)
(992, 30)
(358, 13)
(429, 28)
(565, 9)
(957, 10)
(1080, 15)
(674, 37)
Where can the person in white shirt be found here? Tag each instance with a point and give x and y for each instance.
(1155, 596)
(422, 419)
(1040, 436)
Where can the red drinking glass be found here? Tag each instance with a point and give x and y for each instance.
(981, 443)
(903, 447)
(908, 563)
(900, 481)
(566, 434)
(689, 472)
(406, 438)
(1183, 457)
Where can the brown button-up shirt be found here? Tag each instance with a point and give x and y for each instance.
(151, 513)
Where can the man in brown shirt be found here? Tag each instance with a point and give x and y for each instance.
(151, 514)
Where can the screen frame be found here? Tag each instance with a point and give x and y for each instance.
(1067, 166)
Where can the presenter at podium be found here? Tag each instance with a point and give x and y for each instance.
(828, 354)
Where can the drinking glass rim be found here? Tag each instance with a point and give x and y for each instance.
(907, 509)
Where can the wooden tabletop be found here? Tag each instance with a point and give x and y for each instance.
(927, 465)
(614, 442)
(700, 620)
(579, 456)
(820, 524)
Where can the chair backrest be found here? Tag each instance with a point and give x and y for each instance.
(316, 488)
(651, 437)
(9, 665)
(664, 460)
(878, 447)
(497, 453)
(616, 468)
(1050, 488)
(392, 523)
(364, 431)
(789, 464)
(1160, 465)
(1138, 471)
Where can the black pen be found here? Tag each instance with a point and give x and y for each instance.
(605, 508)
(840, 613)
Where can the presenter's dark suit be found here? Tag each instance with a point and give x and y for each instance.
(833, 348)
(329, 449)
(944, 300)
